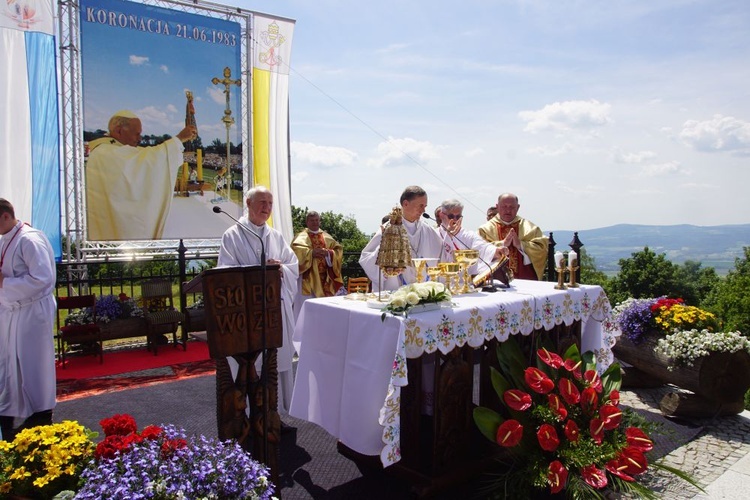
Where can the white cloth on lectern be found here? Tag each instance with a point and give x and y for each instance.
(240, 248)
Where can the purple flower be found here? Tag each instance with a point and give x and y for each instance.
(108, 308)
(634, 318)
(205, 468)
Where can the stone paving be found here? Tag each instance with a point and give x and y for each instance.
(721, 443)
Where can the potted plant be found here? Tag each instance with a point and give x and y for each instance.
(417, 297)
(562, 428)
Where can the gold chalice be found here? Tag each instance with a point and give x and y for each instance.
(420, 264)
(450, 270)
(466, 258)
(434, 272)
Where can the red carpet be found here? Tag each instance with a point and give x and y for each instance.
(84, 376)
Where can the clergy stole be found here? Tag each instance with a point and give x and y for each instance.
(515, 263)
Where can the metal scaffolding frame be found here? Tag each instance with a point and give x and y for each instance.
(77, 247)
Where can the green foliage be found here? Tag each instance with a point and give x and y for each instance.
(645, 274)
(729, 298)
(589, 274)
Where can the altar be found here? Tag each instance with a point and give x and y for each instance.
(353, 366)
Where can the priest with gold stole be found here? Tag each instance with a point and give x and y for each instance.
(320, 258)
(525, 241)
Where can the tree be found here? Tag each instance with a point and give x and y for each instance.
(697, 281)
(589, 274)
(644, 275)
(730, 299)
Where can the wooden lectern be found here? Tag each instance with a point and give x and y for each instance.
(237, 325)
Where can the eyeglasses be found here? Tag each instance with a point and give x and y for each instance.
(454, 217)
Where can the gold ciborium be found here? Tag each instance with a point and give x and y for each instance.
(466, 258)
(420, 264)
(434, 272)
(450, 270)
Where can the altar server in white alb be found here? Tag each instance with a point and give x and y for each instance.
(241, 248)
(455, 237)
(424, 241)
(129, 188)
(27, 312)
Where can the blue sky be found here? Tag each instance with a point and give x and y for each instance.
(594, 112)
(148, 73)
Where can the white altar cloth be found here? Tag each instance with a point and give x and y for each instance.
(352, 366)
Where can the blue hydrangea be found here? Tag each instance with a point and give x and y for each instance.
(205, 468)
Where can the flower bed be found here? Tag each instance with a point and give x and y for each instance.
(161, 463)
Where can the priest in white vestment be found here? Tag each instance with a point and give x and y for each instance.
(455, 237)
(129, 188)
(241, 248)
(27, 312)
(424, 242)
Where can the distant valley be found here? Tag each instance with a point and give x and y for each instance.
(712, 246)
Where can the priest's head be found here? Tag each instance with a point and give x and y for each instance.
(413, 203)
(507, 206)
(7, 216)
(259, 202)
(312, 221)
(451, 213)
(126, 127)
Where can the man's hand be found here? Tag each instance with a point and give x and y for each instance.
(319, 253)
(512, 240)
(501, 252)
(189, 133)
(273, 262)
(454, 226)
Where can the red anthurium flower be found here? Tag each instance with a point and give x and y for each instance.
(550, 358)
(633, 461)
(557, 475)
(594, 477)
(593, 379)
(614, 397)
(596, 429)
(617, 468)
(611, 416)
(538, 380)
(571, 365)
(547, 437)
(517, 400)
(569, 391)
(572, 432)
(557, 406)
(509, 433)
(638, 439)
(589, 400)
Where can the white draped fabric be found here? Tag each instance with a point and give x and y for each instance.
(352, 366)
(27, 312)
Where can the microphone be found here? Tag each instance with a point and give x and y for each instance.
(218, 210)
(487, 288)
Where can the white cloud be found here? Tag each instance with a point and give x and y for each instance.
(164, 68)
(403, 151)
(472, 153)
(564, 116)
(300, 176)
(662, 169)
(619, 156)
(721, 133)
(550, 151)
(583, 191)
(216, 95)
(138, 60)
(326, 156)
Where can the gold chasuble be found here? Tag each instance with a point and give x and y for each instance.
(318, 278)
(533, 241)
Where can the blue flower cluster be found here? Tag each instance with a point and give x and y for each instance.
(634, 318)
(203, 468)
(108, 307)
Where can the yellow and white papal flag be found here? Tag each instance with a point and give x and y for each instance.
(272, 48)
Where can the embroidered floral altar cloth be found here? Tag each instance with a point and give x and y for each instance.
(352, 366)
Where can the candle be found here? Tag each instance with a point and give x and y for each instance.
(558, 260)
(572, 259)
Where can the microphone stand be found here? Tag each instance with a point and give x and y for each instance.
(491, 288)
(264, 367)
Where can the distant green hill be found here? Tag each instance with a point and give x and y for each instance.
(713, 246)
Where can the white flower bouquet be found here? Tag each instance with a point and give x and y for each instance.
(684, 347)
(407, 297)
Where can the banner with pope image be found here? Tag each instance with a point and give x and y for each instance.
(272, 47)
(29, 133)
(147, 72)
